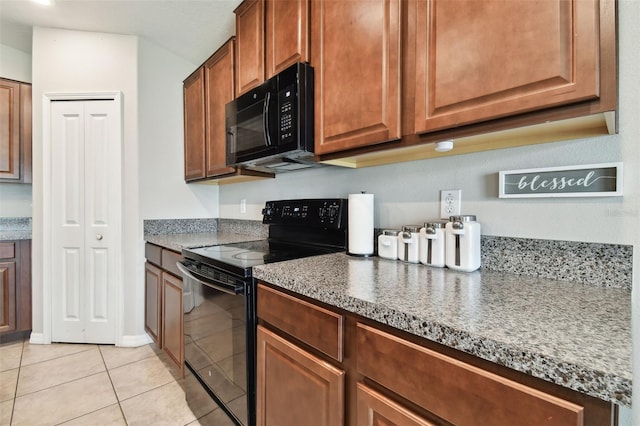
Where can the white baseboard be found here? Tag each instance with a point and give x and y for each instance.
(36, 339)
(135, 341)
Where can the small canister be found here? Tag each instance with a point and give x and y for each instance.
(432, 244)
(388, 244)
(463, 243)
(408, 250)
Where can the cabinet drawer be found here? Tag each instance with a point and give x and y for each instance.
(7, 250)
(453, 390)
(153, 253)
(169, 259)
(315, 326)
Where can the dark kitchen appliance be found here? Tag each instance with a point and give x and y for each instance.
(270, 128)
(220, 299)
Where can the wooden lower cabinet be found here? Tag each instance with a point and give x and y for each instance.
(384, 376)
(153, 302)
(163, 302)
(15, 286)
(296, 387)
(172, 320)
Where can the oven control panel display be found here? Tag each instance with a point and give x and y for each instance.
(311, 212)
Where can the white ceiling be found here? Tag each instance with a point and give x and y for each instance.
(192, 29)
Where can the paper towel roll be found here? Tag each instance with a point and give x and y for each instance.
(360, 224)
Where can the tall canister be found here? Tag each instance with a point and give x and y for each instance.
(432, 244)
(408, 247)
(463, 243)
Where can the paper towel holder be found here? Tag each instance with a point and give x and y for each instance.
(360, 229)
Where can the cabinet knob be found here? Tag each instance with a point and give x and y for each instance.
(99, 237)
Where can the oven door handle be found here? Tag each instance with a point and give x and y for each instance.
(229, 289)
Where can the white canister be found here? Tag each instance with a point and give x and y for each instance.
(463, 243)
(432, 244)
(408, 247)
(388, 244)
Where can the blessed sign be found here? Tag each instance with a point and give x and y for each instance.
(592, 180)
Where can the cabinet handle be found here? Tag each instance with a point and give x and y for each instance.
(99, 237)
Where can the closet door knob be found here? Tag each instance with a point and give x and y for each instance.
(99, 237)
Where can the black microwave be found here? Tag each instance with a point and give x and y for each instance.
(270, 128)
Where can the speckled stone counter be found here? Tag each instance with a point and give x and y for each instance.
(15, 228)
(575, 335)
(177, 242)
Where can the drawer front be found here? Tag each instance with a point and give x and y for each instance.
(315, 326)
(7, 250)
(453, 390)
(153, 253)
(169, 259)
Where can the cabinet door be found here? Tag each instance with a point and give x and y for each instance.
(295, 387)
(194, 126)
(7, 296)
(356, 55)
(9, 130)
(153, 302)
(249, 45)
(478, 60)
(376, 409)
(172, 321)
(219, 90)
(287, 34)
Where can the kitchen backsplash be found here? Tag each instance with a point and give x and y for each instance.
(179, 226)
(252, 228)
(601, 265)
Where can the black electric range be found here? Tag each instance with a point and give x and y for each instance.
(219, 296)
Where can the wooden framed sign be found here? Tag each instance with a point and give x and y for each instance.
(589, 180)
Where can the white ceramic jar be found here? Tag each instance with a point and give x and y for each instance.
(408, 247)
(388, 244)
(463, 243)
(432, 244)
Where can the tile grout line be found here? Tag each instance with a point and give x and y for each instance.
(15, 392)
(124, 417)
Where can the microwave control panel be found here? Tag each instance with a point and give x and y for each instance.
(286, 99)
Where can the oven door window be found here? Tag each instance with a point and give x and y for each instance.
(215, 329)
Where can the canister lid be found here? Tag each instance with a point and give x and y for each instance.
(463, 218)
(435, 225)
(411, 228)
(393, 232)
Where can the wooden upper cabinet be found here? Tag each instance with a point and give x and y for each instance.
(194, 126)
(250, 45)
(219, 90)
(15, 131)
(356, 55)
(480, 60)
(286, 34)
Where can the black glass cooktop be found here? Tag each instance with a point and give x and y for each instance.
(239, 258)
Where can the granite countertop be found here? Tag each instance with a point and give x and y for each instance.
(177, 242)
(15, 228)
(575, 335)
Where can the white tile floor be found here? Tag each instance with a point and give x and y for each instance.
(75, 384)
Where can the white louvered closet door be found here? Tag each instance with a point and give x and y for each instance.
(86, 220)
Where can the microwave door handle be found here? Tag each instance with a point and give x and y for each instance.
(188, 274)
(265, 119)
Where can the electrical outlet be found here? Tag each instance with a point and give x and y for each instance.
(243, 206)
(450, 201)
